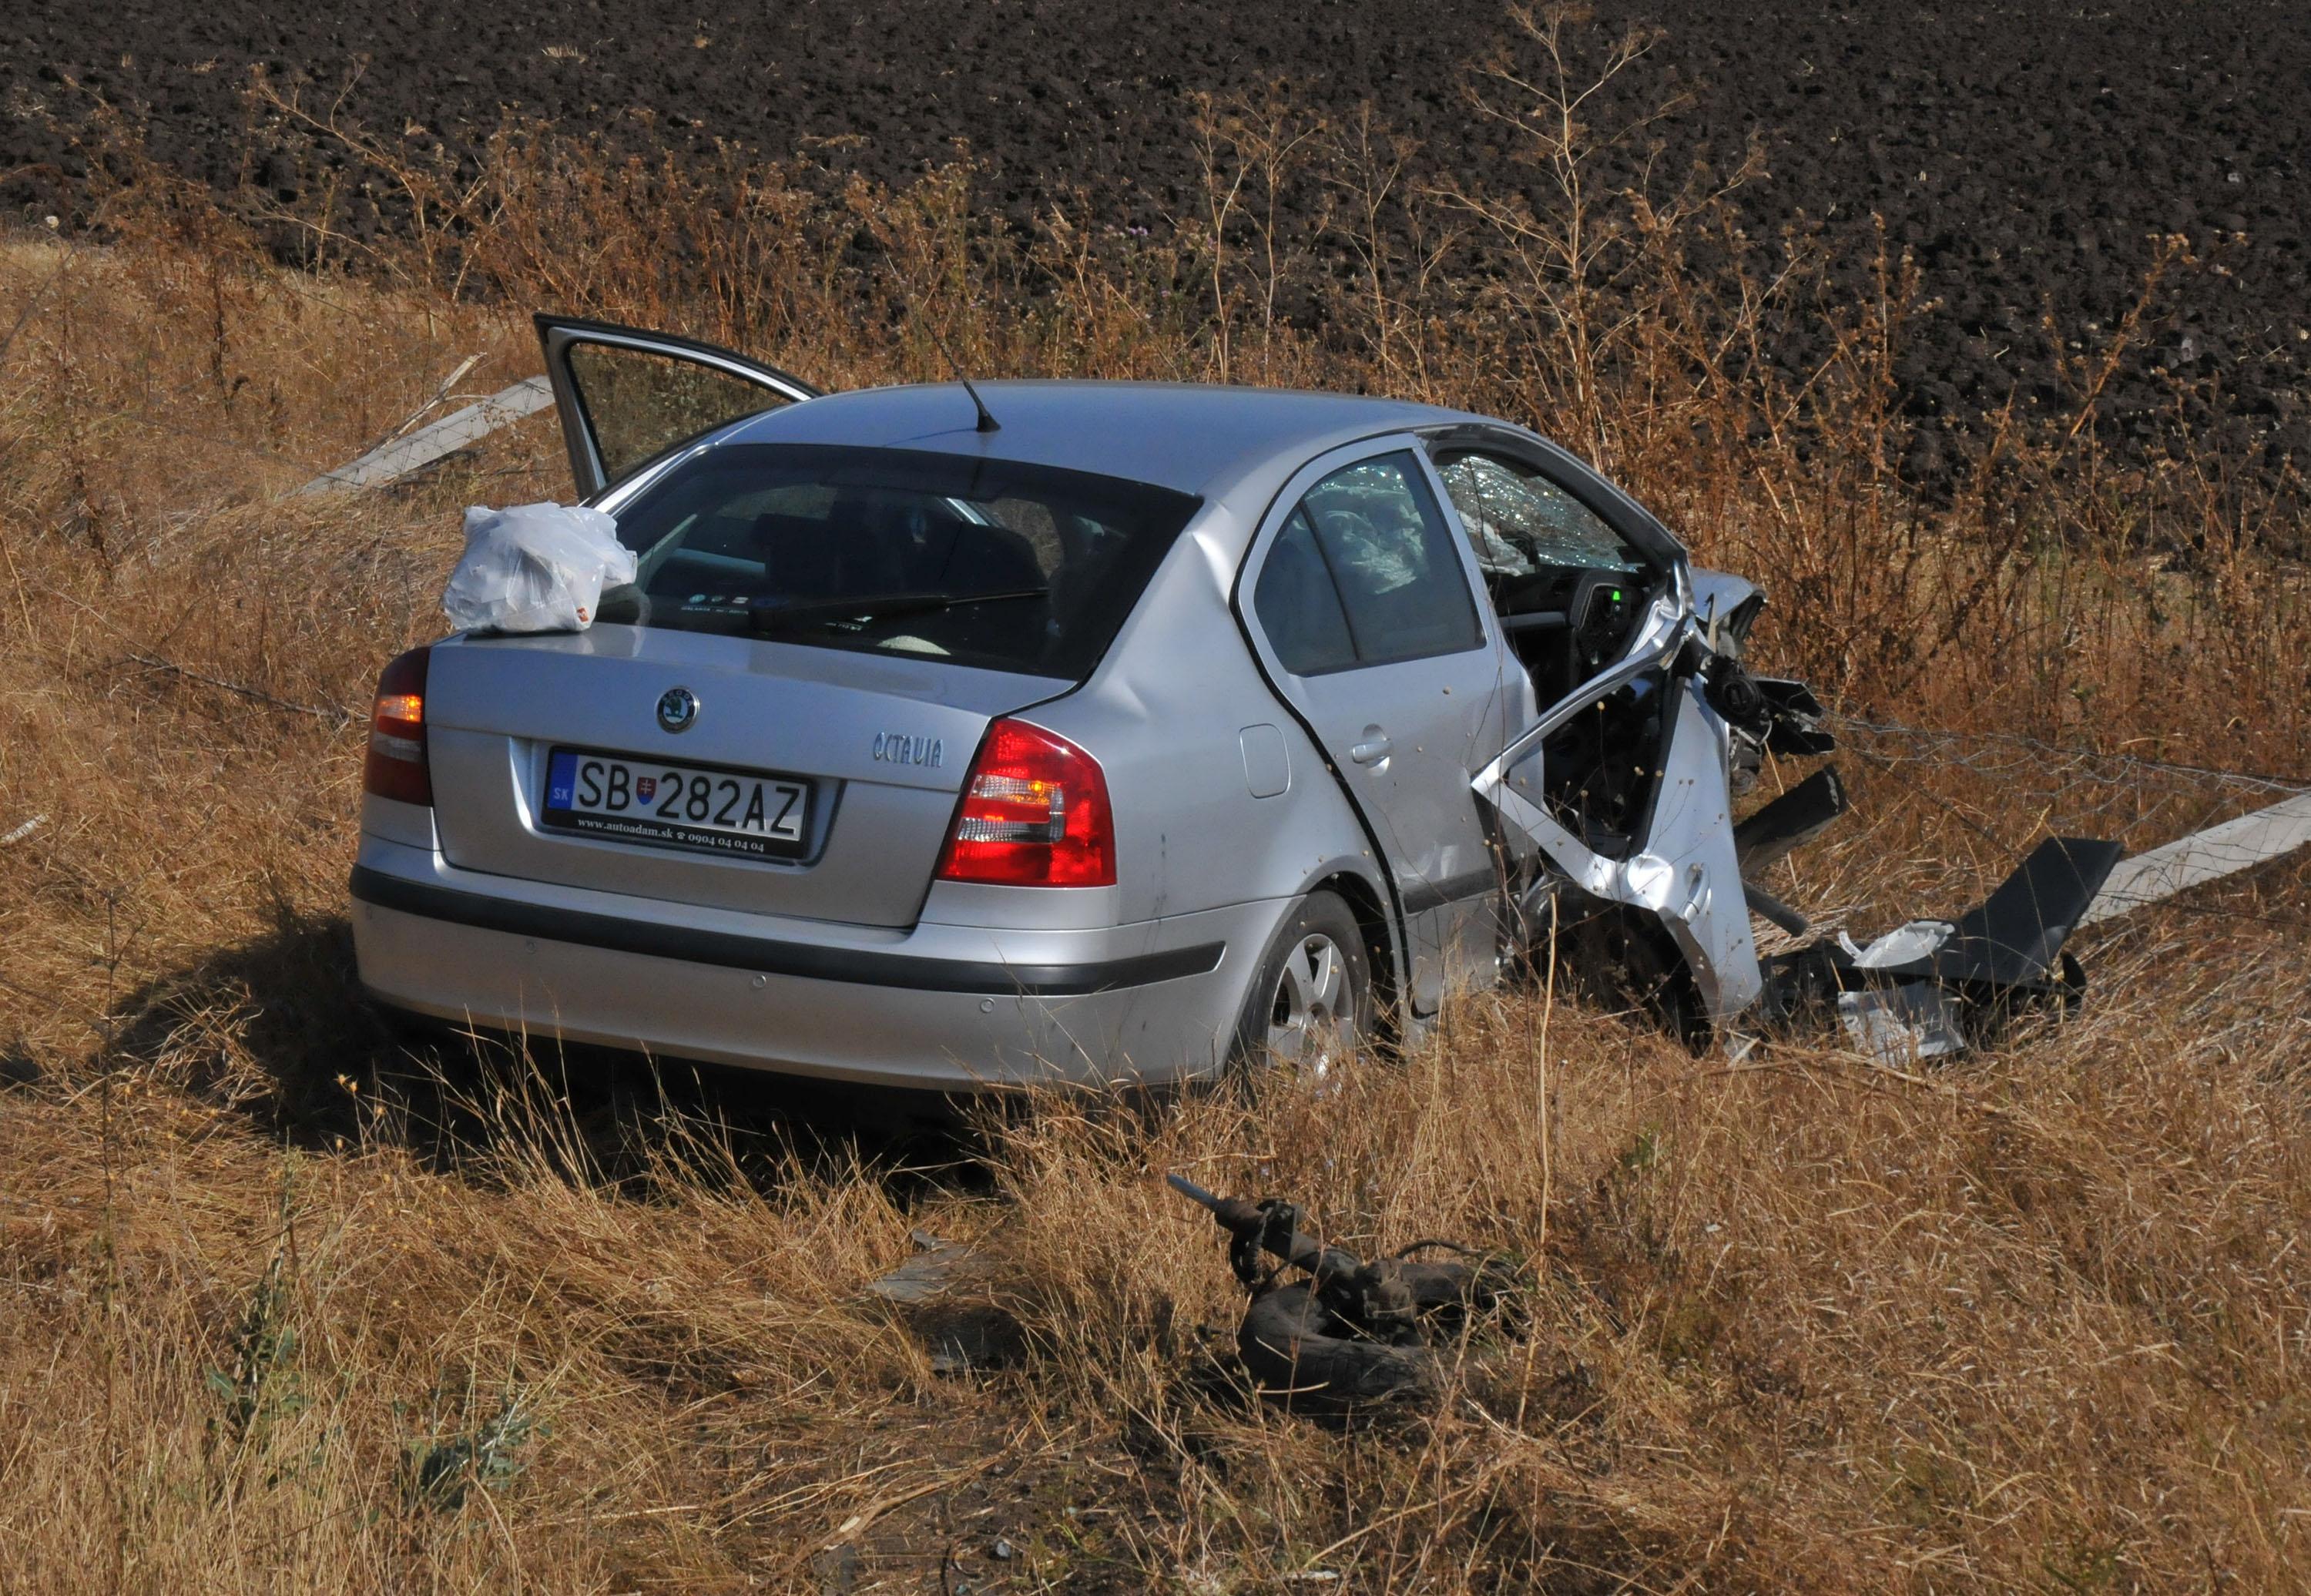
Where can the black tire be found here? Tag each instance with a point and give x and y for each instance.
(1293, 1017)
(1299, 1354)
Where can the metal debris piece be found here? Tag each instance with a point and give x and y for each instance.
(945, 1294)
(1896, 1025)
(2014, 938)
(1770, 909)
(396, 457)
(2209, 855)
(1932, 988)
(1793, 721)
(1354, 1336)
(1789, 821)
(937, 1267)
(20, 833)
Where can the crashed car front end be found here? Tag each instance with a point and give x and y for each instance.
(1670, 906)
(1684, 873)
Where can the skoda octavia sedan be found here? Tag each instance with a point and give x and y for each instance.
(949, 738)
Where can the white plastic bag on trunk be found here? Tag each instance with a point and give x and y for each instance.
(535, 568)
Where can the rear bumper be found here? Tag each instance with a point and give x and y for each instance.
(943, 1007)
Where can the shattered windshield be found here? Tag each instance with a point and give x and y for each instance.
(992, 564)
(1520, 524)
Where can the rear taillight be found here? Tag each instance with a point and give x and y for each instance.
(1034, 812)
(396, 767)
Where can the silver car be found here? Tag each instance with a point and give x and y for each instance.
(953, 737)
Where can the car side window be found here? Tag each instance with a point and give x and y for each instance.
(1384, 541)
(1519, 522)
(1298, 606)
(641, 403)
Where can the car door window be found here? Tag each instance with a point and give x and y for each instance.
(641, 404)
(1402, 590)
(1519, 522)
(1299, 607)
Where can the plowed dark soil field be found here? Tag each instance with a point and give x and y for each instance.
(2028, 154)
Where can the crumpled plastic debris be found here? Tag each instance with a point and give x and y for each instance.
(1898, 1025)
(535, 568)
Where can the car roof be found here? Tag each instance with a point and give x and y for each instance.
(1198, 439)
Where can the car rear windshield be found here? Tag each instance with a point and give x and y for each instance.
(987, 563)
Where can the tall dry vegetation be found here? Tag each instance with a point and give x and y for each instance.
(292, 1304)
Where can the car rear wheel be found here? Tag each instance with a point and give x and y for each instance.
(1311, 1003)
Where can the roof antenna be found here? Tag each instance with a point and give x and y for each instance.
(987, 422)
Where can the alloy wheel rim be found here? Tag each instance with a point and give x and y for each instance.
(1309, 1015)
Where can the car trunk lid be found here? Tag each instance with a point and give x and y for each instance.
(885, 742)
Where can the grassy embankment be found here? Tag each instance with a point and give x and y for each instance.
(289, 1305)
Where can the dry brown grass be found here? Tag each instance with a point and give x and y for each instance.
(2036, 1321)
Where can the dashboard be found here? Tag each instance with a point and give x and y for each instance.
(1566, 623)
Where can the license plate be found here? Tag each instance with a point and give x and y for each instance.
(677, 805)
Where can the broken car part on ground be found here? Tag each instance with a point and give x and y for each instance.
(1352, 1335)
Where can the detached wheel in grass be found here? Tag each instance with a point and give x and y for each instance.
(1310, 1002)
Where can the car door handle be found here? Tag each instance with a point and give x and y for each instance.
(1372, 750)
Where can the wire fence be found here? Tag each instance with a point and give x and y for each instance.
(1940, 816)
(1981, 750)
(2010, 776)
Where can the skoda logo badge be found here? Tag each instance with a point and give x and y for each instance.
(677, 707)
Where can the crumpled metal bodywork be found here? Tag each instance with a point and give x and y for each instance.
(1686, 873)
(1928, 989)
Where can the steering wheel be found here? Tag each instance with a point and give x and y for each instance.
(1599, 614)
